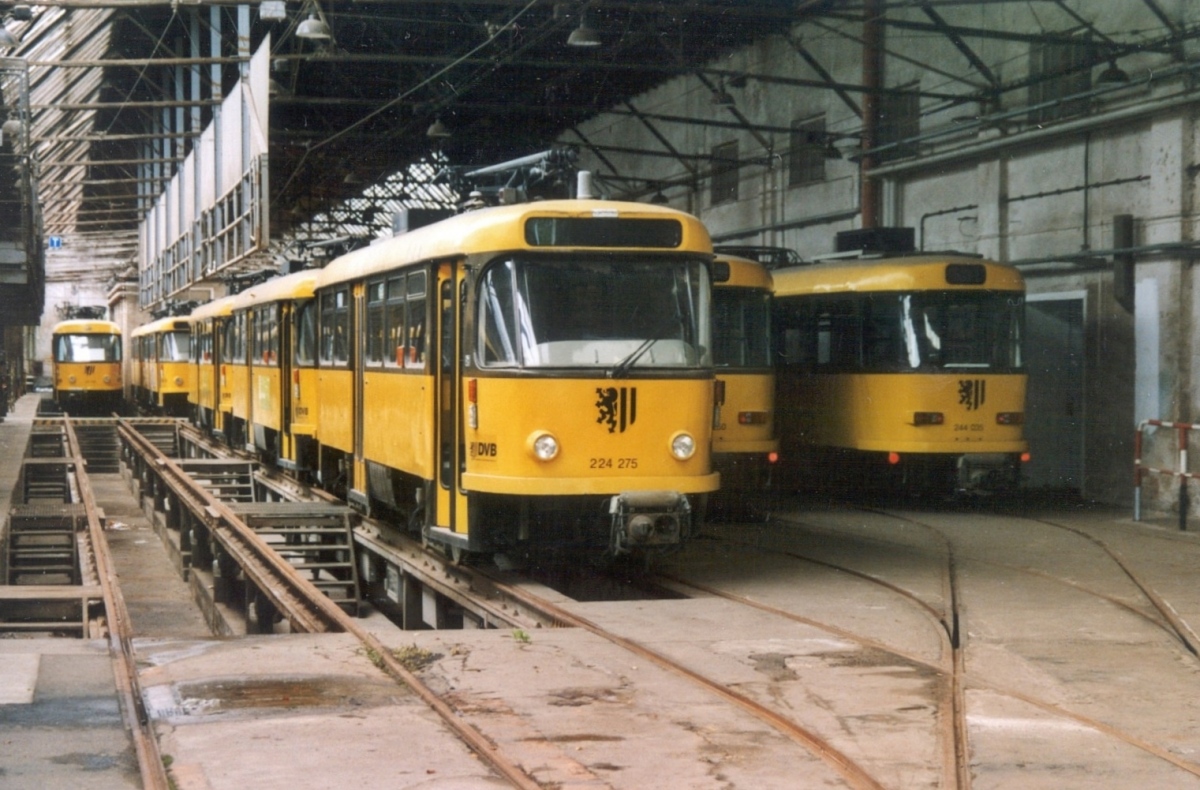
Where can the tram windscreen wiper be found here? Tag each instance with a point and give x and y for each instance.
(621, 369)
(660, 332)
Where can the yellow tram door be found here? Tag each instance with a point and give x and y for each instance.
(450, 510)
(284, 358)
(358, 321)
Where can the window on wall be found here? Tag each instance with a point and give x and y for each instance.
(806, 160)
(725, 173)
(1058, 70)
(899, 122)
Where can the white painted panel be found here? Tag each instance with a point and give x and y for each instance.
(231, 141)
(1146, 401)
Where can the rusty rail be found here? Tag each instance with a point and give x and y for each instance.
(305, 607)
(120, 632)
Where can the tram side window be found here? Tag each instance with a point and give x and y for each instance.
(202, 341)
(253, 337)
(272, 332)
(335, 327)
(306, 333)
(406, 320)
(376, 293)
(233, 347)
(264, 334)
(498, 341)
(415, 324)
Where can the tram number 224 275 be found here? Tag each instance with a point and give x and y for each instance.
(612, 463)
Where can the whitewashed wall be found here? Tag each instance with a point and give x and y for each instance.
(1017, 185)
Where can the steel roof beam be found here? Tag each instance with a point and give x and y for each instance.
(828, 79)
(679, 157)
(968, 53)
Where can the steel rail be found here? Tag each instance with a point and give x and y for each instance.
(468, 589)
(846, 767)
(120, 632)
(306, 608)
(380, 654)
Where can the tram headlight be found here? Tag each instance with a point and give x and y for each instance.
(544, 446)
(683, 446)
(179, 381)
(70, 379)
(108, 379)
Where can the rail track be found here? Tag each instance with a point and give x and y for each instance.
(946, 616)
(512, 601)
(120, 631)
(499, 599)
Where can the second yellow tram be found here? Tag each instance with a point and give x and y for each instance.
(745, 445)
(902, 371)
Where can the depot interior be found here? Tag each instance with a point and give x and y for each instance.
(154, 154)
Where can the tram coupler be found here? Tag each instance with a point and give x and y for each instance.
(648, 519)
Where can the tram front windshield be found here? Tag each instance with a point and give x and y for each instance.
(742, 328)
(87, 348)
(176, 347)
(886, 332)
(609, 314)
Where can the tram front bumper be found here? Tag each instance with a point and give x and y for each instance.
(648, 519)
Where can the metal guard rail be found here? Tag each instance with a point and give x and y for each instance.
(308, 609)
(1140, 469)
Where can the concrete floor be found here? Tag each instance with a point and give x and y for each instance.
(832, 618)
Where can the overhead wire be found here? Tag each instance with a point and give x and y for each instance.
(404, 95)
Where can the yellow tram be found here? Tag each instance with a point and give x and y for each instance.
(745, 446)
(211, 398)
(279, 320)
(87, 367)
(163, 370)
(903, 370)
(524, 375)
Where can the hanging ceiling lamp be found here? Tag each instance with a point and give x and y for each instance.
(584, 35)
(314, 28)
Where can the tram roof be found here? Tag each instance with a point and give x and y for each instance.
(216, 308)
(745, 273)
(907, 273)
(86, 327)
(298, 285)
(502, 228)
(172, 323)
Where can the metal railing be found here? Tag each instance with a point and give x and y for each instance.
(1141, 469)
